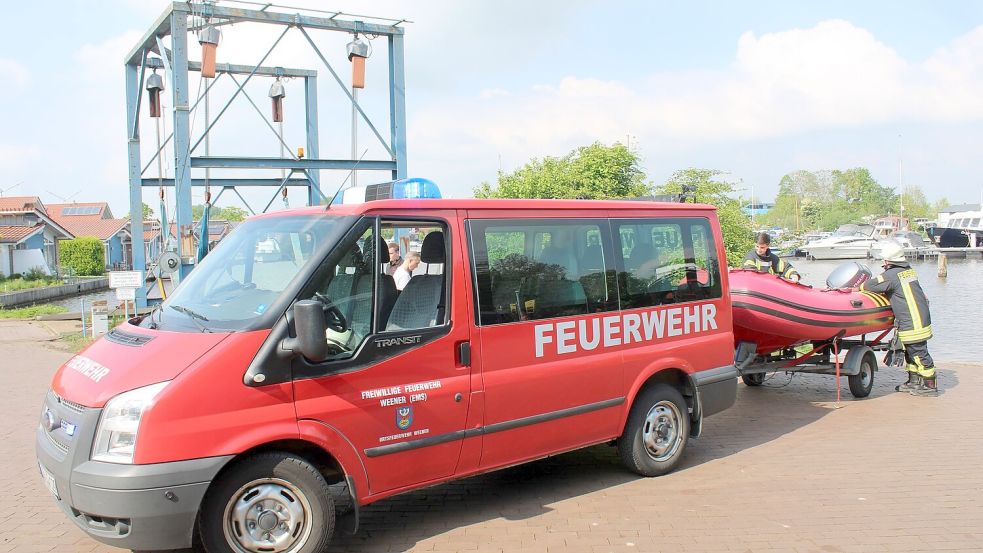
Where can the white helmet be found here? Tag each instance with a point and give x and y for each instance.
(892, 252)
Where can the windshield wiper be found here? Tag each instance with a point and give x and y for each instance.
(195, 317)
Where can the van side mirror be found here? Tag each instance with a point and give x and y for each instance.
(310, 327)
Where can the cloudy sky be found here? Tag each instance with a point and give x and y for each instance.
(756, 89)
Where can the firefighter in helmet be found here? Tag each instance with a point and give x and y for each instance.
(763, 260)
(899, 284)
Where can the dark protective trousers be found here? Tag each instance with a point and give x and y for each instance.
(918, 359)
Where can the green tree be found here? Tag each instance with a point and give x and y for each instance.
(84, 255)
(858, 187)
(916, 204)
(231, 213)
(148, 212)
(596, 171)
(829, 198)
(710, 189)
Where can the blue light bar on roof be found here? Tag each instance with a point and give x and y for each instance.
(404, 189)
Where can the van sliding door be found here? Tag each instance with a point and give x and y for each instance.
(550, 382)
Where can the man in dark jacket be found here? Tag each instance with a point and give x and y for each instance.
(911, 317)
(763, 260)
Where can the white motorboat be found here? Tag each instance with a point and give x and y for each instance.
(848, 242)
(911, 240)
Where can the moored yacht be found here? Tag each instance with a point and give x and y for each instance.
(910, 240)
(848, 242)
(885, 227)
(959, 228)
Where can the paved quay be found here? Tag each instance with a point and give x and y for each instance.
(786, 469)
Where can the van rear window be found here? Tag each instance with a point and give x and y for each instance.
(665, 261)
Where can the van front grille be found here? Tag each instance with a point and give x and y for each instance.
(70, 405)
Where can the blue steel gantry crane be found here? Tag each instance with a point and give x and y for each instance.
(299, 169)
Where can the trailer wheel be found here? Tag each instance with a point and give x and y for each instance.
(272, 502)
(863, 382)
(754, 379)
(656, 432)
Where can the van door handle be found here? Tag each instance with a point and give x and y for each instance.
(464, 354)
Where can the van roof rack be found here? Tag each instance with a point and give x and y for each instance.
(688, 194)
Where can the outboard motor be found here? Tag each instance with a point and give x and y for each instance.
(848, 275)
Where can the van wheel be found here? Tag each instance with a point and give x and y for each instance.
(656, 433)
(268, 503)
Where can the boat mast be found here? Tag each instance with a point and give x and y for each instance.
(900, 183)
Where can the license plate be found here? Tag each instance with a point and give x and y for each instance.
(49, 481)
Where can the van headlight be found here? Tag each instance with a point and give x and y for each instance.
(116, 435)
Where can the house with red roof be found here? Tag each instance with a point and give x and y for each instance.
(153, 241)
(95, 219)
(28, 236)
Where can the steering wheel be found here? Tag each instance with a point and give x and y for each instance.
(334, 318)
(335, 347)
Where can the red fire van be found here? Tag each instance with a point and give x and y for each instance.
(289, 361)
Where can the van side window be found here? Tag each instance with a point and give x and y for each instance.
(413, 293)
(666, 261)
(537, 269)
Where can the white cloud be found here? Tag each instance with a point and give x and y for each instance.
(490, 93)
(14, 73)
(833, 76)
(12, 157)
(16, 164)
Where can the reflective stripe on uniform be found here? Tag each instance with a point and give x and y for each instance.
(909, 297)
(879, 300)
(921, 369)
(916, 335)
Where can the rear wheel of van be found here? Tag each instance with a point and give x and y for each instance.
(656, 432)
(271, 502)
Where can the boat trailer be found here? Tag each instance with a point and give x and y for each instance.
(859, 364)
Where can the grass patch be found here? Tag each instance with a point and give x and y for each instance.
(18, 284)
(30, 312)
(76, 342)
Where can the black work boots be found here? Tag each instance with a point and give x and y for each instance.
(927, 387)
(913, 382)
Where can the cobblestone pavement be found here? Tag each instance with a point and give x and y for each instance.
(786, 469)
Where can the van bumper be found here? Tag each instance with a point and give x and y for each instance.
(142, 507)
(716, 389)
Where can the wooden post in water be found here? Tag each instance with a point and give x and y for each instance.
(943, 266)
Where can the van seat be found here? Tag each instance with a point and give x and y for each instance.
(421, 303)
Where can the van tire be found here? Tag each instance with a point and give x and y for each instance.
(298, 508)
(656, 432)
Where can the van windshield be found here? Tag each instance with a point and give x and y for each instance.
(246, 273)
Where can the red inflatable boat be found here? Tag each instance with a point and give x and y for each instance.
(775, 313)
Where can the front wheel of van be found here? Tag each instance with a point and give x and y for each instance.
(268, 503)
(656, 432)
